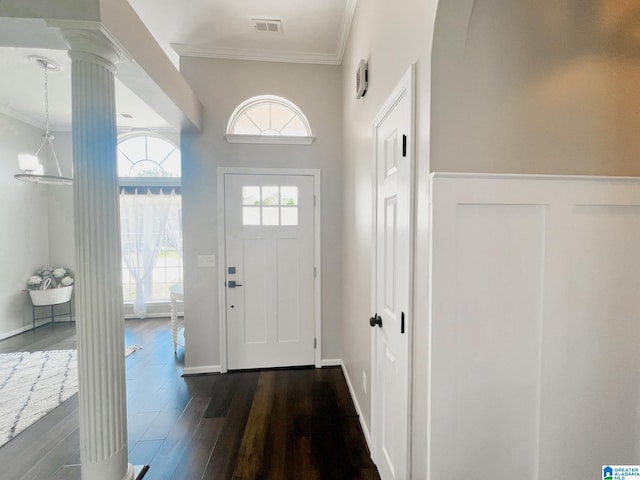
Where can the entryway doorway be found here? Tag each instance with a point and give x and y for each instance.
(270, 282)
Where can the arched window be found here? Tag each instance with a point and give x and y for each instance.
(147, 155)
(149, 172)
(268, 119)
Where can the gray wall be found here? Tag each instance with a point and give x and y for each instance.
(221, 85)
(61, 239)
(536, 87)
(391, 36)
(24, 242)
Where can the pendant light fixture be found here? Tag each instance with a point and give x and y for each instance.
(32, 169)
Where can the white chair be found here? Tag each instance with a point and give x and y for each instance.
(177, 295)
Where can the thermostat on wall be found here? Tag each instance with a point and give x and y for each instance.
(362, 78)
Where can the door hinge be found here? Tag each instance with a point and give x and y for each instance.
(315, 272)
(404, 145)
(315, 343)
(402, 322)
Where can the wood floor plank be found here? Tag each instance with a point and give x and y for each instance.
(279, 429)
(163, 424)
(251, 452)
(359, 458)
(195, 458)
(139, 423)
(328, 442)
(222, 389)
(66, 452)
(57, 336)
(304, 466)
(33, 445)
(273, 424)
(343, 395)
(173, 447)
(142, 452)
(67, 472)
(223, 461)
(298, 410)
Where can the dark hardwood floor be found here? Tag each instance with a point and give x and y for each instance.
(269, 424)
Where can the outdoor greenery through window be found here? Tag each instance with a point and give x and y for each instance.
(270, 206)
(150, 218)
(147, 156)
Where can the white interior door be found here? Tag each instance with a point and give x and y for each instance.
(269, 270)
(392, 284)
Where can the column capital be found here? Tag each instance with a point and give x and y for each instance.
(91, 46)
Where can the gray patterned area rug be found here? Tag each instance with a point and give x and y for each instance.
(34, 383)
(31, 385)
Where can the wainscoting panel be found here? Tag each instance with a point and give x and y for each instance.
(603, 338)
(534, 326)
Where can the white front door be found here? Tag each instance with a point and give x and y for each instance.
(269, 270)
(393, 283)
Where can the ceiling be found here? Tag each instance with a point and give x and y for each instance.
(313, 31)
(22, 94)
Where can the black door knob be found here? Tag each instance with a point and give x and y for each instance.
(375, 320)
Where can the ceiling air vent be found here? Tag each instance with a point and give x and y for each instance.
(267, 25)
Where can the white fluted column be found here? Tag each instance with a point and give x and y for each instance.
(100, 326)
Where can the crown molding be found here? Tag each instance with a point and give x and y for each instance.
(210, 51)
(21, 117)
(345, 29)
(185, 50)
(39, 124)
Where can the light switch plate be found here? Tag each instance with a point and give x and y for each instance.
(206, 261)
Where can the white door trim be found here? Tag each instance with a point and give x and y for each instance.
(222, 311)
(406, 87)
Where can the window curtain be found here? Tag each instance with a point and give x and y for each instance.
(144, 218)
(174, 228)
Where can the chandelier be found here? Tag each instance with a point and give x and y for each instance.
(32, 169)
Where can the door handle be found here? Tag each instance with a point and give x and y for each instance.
(233, 284)
(375, 320)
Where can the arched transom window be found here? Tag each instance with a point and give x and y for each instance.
(147, 155)
(268, 119)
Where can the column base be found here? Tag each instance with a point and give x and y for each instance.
(130, 475)
(140, 471)
(109, 469)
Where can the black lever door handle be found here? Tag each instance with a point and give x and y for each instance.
(375, 320)
(233, 284)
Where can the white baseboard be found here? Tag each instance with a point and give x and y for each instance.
(135, 316)
(363, 424)
(26, 328)
(201, 370)
(17, 331)
(331, 362)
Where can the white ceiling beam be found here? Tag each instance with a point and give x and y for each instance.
(145, 68)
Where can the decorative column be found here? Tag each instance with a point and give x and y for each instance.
(100, 323)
